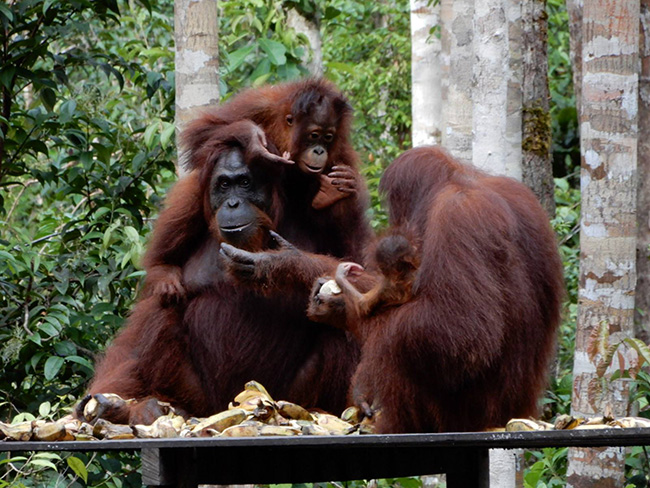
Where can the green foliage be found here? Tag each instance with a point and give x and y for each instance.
(49, 469)
(564, 117)
(85, 166)
(547, 468)
(256, 46)
(367, 52)
(86, 130)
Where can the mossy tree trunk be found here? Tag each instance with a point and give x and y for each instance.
(537, 169)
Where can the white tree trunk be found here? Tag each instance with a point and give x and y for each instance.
(196, 32)
(642, 317)
(311, 31)
(497, 87)
(609, 111)
(425, 74)
(457, 60)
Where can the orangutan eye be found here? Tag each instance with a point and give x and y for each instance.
(328, 137)
(289, 119)
(314, 136)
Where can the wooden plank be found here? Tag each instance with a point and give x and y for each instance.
(473, 470)
(155, 468)
(264, 465)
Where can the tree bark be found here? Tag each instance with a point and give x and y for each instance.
(196, 32)
(426, 106)
(457, 59)
(608, 118)
(310, 28)
(497, 98)
(642, 316)
(574, 9)
(537, 168)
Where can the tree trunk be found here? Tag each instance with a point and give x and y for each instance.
(497, 98)
(425, 73)
(310, 28)
(537, 168)
(457, 59)
(610, 43)
(642, 316)
(196, 32)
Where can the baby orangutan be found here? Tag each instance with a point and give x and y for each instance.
(343, 303)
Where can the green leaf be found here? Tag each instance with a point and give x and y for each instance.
(47, 4)
(166, 134)
(274, 50)
(132, 234)
(79, 468)
(642, 349)
(65, 348)
(48, 97)
(7, 76)
(13, 459)
(345, 67)
(236, 58)
(67, 111)
(6, 11)
(44, 409)
(52, 367)
(150, 134)
(35, 338)
(47, 455)
(43, 462)
(23, 417)
(80, 360)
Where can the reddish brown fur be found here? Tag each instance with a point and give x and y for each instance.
(197, 352)
(268, 107)
(471, 349)
(340, 229)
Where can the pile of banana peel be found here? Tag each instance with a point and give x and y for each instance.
(252, 413)
(569, 422)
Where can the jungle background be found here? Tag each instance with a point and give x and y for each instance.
(87, 152)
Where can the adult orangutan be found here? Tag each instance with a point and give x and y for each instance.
(467, 348)
(197, 351)
(322, 198)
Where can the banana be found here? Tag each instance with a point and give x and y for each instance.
(241, 430)
(567, 422)
(517, 425)
(50, 431)
(631, 422)
(292, 411)
(352, 415)
(333, 424)
(220, 421)
(103, 429)
(21, 431)
(255, 386)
